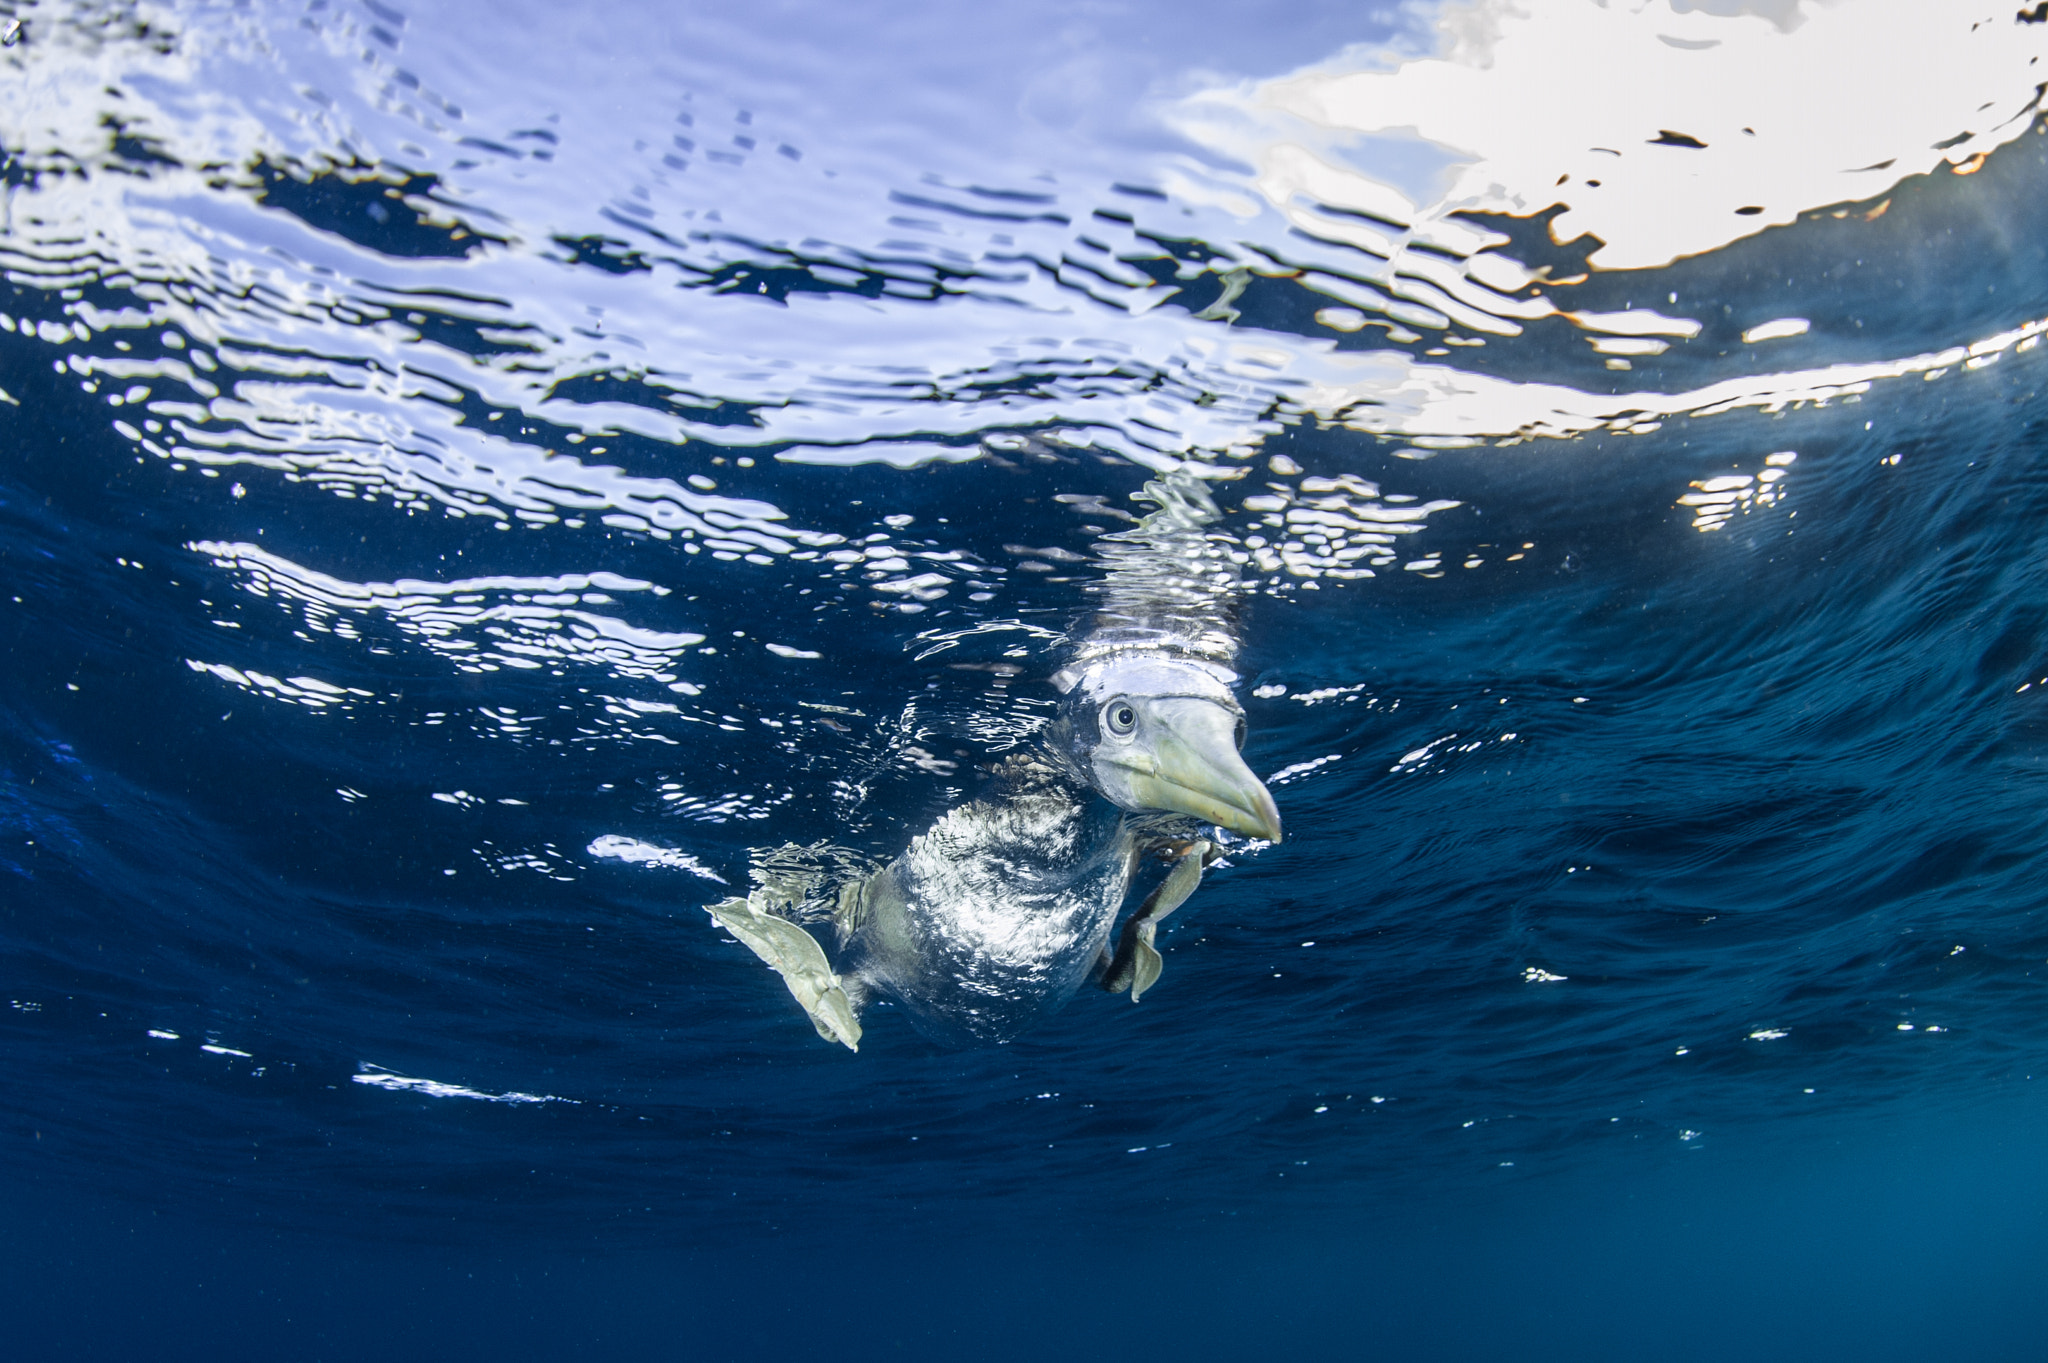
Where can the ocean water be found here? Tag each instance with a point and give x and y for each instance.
(474, 478)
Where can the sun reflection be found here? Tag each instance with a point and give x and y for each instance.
(1338, 528)
(1716, 501)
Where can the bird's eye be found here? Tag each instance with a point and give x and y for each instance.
(1120, 717)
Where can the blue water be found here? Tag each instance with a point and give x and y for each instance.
(1654, 965)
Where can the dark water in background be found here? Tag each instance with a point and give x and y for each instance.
(1654, 964)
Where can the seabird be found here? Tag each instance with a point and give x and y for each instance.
(1004, 907)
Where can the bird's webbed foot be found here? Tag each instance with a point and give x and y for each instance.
(796, 956)
(1137, 963)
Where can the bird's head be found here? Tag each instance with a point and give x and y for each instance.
(1161, 734)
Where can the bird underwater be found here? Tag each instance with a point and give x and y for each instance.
(1003, 908)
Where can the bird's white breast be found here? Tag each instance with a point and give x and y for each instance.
(998, 912)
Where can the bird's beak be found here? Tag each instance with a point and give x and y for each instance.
(1191, 766)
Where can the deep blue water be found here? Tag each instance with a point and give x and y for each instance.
(1655, 964)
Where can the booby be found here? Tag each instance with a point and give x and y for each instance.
(1004, 907)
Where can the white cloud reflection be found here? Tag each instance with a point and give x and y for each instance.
(1665, 131)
